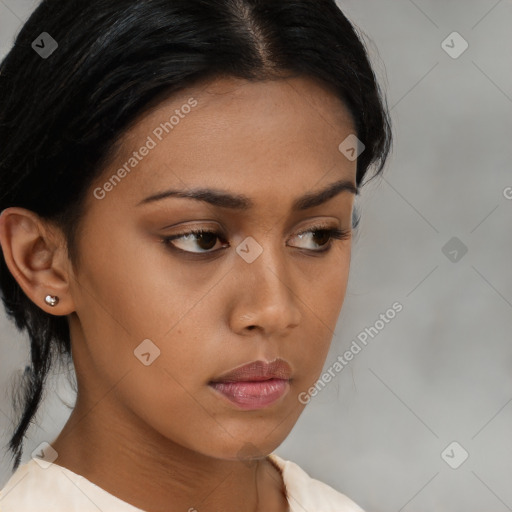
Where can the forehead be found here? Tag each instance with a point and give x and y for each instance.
(277, 137)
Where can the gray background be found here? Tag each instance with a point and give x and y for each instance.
(441, 370)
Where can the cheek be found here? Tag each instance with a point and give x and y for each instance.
(130, 286)
(323, 303)
(326, 286)
(137, 305)
(171, 405)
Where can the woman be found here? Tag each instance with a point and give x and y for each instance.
(177, 192)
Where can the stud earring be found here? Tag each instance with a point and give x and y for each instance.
(51, 300)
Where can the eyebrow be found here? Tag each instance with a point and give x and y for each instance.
(241, 202)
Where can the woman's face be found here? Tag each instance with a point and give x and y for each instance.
(157, 321)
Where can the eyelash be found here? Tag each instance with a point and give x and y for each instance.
(333, 233)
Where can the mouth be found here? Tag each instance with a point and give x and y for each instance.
(255, 385)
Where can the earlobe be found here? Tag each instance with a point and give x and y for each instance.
(31, 251)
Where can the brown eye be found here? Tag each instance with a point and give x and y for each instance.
(206, 241)
(322, 237)
(186, 242)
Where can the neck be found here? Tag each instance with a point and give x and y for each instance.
(149, 471)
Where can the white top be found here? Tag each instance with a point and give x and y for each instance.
(54, 488)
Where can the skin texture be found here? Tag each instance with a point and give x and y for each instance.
(158, 436)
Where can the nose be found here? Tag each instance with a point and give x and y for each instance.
(265, 296)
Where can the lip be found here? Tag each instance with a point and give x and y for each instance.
(255, 385)
(257, 371)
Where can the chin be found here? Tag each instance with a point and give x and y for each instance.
(245, 449)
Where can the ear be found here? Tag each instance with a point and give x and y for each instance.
(36, 255)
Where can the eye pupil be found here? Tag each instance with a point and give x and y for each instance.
(206, 237)
(325, 235)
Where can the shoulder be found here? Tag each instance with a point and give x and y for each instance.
(306, 493)
(52, 488)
